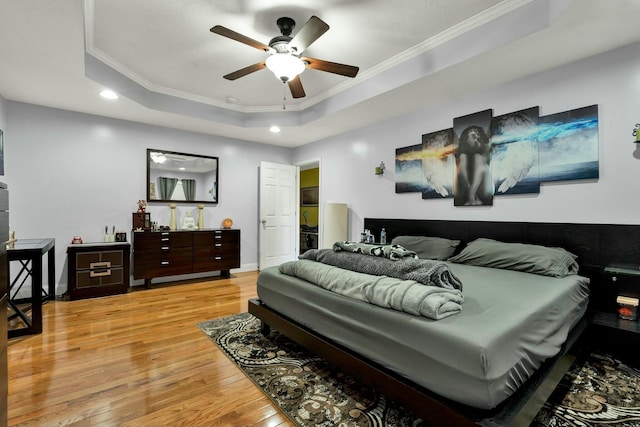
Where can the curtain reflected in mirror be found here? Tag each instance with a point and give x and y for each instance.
(189, 189)
(167, 186)
(173, 176)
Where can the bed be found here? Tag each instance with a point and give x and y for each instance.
(476, 367)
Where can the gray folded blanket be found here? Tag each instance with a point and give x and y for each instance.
(385, 251)
(426, 271)
(407, 296)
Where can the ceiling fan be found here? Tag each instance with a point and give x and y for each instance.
(284, 58)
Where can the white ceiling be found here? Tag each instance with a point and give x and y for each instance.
(168, 67)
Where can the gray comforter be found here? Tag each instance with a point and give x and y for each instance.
(425, 271)
(386, 251)
(408, 296)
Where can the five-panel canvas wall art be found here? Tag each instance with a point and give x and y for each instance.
(483, 156)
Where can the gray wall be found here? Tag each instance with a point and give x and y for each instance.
(611, 80)
(71, 174)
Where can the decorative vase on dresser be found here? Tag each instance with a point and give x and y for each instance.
(171, 253)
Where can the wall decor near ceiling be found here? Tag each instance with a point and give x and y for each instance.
(484, 156)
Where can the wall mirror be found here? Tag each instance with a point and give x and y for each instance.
(181, 177)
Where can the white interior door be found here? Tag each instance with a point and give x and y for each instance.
(278, 214)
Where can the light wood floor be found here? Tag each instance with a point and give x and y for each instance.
(137, 359)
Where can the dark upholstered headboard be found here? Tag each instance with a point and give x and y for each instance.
(596, 245)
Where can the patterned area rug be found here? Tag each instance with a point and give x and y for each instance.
(601, 391)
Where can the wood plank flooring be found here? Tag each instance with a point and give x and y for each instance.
(137, 359)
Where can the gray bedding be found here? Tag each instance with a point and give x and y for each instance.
(509, 324)
(426, 271)
(394, 252)
(407, 296)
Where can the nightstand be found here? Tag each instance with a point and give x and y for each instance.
(608, 332)
(97, 269)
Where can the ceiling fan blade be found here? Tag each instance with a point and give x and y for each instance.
(331, 67)
(223, 31)
(297, 91)
(310, 32)
(246, 70)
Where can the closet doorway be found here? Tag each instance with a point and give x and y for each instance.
(309, 205)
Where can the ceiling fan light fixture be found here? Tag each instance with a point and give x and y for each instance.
(285, 66)
(158, 157)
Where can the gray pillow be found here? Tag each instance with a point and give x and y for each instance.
(555, 262)
(427, 247)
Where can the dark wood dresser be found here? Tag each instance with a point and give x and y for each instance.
(170, 253)
(4, 298)
(98, 269)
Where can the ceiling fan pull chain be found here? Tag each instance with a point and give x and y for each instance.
(284, 96)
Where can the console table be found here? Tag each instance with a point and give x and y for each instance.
(29, 253)
(169, 253)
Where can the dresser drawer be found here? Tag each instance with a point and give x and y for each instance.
(162, 263)
(155, 240)
(99, 277)
(215, 251)
(216, 238)
(89, 260)
(216, 262)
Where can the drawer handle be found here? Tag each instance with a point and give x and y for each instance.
(165, 239)
(165, 248)
(100, 269)
(164, 234)
(164, 262)
(104, 264)
(217, 258)
(218, 237)
(217, 245)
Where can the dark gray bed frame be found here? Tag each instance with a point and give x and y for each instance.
(596, 245)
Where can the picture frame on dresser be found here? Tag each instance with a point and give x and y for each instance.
(141, 221)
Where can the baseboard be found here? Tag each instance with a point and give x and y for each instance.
(243, 268)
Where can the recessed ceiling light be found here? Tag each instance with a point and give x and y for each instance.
(109, 94)
(274, 129)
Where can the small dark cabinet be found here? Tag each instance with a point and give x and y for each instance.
(609, 332)
(170, 253)
(619, 281)
(98, 269)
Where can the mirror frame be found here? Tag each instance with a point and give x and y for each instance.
(197, 156)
